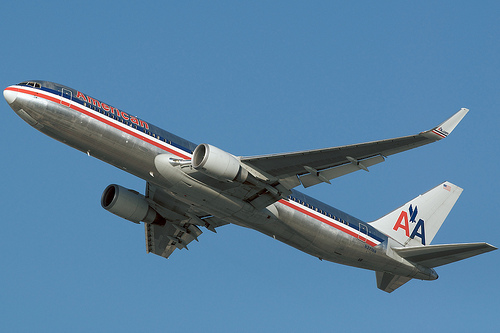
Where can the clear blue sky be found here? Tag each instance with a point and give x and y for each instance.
(251, 78)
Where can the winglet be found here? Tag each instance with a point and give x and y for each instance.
(444, 129)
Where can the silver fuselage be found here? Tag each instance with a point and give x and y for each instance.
(133, 145)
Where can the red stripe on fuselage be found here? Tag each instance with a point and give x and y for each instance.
(104, 120)
(323, 220)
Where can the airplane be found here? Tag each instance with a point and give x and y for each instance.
(191, 186)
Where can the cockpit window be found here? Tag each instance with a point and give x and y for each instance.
(31, 84)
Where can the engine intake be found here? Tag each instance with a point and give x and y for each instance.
(218, 164)
(130, 205)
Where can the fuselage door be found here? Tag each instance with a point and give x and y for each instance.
(363, 232)
(65, 96)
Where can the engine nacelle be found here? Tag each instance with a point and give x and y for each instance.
(218, 164)
(130, 205)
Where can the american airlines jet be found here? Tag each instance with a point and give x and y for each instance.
(190, 186)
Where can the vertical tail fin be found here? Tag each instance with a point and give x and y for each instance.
(417, 222)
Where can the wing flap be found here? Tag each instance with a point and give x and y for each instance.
(437, 255)
(317, 177)
(157, 241)
(163, 240)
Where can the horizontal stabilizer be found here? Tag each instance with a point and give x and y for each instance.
(317, 177)
(437, 255)
(389, 282)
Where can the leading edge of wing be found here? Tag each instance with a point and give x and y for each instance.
(312, 162)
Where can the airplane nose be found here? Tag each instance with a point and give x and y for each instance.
(10, 95)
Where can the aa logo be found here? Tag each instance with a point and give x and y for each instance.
(404, 223)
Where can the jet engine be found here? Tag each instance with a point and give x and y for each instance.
(130, 205)
(218, 164)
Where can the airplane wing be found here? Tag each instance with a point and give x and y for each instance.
(316, 166)
(181, 227)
